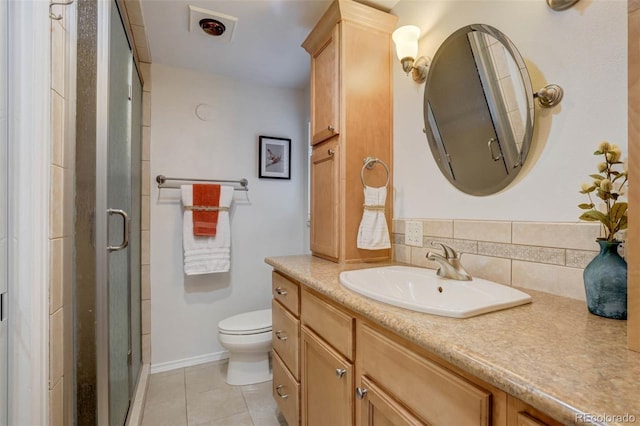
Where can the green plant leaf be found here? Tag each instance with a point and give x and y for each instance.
(618, 176)
(596, 177)
(623, 223)
(595, 216)
(586, 206)
(598, 153)
(618, 211)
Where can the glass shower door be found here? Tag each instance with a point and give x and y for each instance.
(119, 203)
(4, 276)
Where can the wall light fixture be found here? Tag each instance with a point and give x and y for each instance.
(406, 41)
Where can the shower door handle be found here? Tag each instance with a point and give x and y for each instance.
(125, 236)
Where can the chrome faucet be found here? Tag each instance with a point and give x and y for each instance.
(450, 266)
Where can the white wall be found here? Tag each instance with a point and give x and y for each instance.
(583, 49)
(185, 310)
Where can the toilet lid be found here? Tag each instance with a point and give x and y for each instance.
(248, 323)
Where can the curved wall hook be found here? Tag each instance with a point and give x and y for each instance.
(549, 96)
(55, 3)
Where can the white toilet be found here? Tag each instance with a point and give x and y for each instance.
(247, 337)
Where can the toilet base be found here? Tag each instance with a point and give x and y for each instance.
(248, 368)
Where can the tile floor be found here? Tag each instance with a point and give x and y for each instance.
(199, 396)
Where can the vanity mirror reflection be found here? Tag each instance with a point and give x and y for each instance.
(479, 109)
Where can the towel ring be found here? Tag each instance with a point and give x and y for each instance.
(369, 162)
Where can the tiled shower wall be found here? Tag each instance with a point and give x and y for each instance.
(61, 224)
(145, 68)
(543, 256)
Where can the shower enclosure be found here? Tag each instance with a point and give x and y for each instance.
(108, 184)
(4, 175)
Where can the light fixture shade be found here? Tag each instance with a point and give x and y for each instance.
(406, 41)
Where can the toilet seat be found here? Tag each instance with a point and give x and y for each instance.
(255, 322)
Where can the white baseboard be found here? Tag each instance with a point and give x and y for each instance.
(189, 362)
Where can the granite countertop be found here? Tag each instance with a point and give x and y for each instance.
(551, 353)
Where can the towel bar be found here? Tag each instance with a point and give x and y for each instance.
(162, 182)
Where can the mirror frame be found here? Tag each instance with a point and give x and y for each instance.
(528, 124)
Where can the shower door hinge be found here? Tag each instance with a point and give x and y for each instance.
(129, 357)
(130, 92)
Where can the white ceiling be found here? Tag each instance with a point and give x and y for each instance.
(265, 48)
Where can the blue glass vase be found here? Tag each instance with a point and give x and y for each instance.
(605, 282)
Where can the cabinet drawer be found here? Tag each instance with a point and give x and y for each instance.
(434, 393)
(522, 414)
(286, 292)
(286, 392)
(286, 337)
(329, 322)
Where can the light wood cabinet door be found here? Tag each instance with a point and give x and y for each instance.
(325, 221)
(325, 107)
(327, 384)
(379, 409)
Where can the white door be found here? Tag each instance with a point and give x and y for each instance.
(3, 213)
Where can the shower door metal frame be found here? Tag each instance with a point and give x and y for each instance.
(101, 215)
(4, 216)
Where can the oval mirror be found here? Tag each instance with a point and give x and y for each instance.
(478, 110)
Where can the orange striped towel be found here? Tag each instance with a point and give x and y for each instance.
(205, 223)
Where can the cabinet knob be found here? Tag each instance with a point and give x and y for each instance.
(330, 152)
(331, 128)
(340, 372)
(280, 335)
(361, 393)
(281, 292)
(281, 395)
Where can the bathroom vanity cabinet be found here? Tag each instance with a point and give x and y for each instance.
(351, 119)
(333, 367)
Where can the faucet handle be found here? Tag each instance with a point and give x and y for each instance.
(449, 253)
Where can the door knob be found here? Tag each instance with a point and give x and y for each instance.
(280, 335)
(340, 372)
(361, 393)
(281, 292)
(330, 128)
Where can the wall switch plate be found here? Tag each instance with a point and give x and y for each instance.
(413, 233)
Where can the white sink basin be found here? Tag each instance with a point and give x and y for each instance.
(422, 290)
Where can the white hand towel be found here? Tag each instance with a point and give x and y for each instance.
(373, 233)
(206, 255)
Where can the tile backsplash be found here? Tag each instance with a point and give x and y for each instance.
(544, 256)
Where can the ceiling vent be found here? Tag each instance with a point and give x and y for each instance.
(212, 24)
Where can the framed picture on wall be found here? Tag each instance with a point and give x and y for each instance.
(274, 158)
